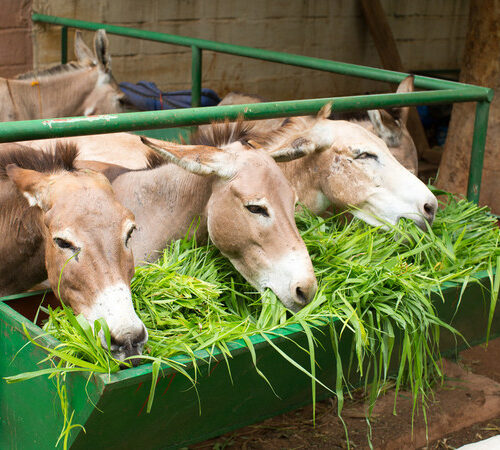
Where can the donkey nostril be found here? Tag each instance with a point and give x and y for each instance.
(301, 297)
(429, 209)
(141, 338)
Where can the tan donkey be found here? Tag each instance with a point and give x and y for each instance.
(344, 165)
(60, 223)
(239, 197)
(79, 88)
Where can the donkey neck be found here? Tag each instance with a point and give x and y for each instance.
(57, 95)
(22, 255)
(168, 202)
(304, 174)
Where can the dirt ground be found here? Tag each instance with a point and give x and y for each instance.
(465, 409)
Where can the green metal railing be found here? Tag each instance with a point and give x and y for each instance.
(441, 91)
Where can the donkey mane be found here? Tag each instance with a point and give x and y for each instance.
(218, 134)
(350, 115)
(60, 157)
(51, 71)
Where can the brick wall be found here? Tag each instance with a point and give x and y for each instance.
(430, 35)
(16, 54)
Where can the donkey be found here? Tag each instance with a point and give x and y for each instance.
(238, 198)
(389, 125)
(84, 87)
(345, 166)
(67, 225)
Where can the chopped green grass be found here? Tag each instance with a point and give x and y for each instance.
(375, 282)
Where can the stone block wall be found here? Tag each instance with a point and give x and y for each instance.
(429, 33)
(16, 49)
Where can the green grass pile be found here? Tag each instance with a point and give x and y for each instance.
(192, 299)
(376, 282)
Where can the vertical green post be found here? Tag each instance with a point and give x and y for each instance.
(195, 76)
(64, 45)
(477, 151)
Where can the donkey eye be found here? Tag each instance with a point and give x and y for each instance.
(129, 235)
(257, 209)
(64, 244)
(366, 155)
(123, 101)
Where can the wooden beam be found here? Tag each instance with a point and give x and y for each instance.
(388, 51)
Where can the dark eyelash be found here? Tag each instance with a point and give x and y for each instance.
(256, 209)
(366, 155)
(129, 235)
(64, 244)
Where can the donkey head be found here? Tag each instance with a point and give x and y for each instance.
(106, 97)
(250, 216)
(87, 255)
(391, 127)
(352, 168)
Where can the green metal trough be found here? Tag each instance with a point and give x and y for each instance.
(112, 408)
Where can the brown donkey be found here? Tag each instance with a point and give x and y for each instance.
(344, 165)
(61, 223)
(239, 197)
(79, 88)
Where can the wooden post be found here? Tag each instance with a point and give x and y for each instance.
(480, 66)
(386, 47)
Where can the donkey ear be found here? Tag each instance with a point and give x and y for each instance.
(83, 54)
(325, 112)
(32, 184)
(197, 159)
(378, 124)
(101, 49)
(407, 85)
(293, 149)
(315, 138)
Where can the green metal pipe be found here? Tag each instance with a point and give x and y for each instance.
(196, 62)
(73, 126)
(477, 151)
(266, 55)
(64, 45)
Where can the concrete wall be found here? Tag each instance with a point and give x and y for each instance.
(16, 53)
(430, 35)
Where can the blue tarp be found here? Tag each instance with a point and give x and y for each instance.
(146, 96)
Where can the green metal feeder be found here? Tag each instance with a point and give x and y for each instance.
(112, 408)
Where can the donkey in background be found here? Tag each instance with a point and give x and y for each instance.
(388, 125)
(85, 87)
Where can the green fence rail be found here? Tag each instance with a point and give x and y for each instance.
(441, 91)
(256, 53)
